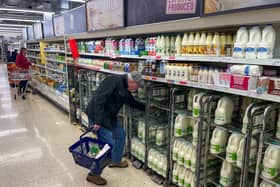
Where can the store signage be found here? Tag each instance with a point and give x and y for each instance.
(181, 6)
(58, 22)
(217, 6)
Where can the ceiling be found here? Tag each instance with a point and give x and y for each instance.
(24, 18)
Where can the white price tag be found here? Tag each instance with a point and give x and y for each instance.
(276, 62)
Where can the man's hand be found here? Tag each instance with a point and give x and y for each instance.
(96, 127)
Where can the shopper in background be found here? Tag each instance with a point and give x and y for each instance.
(14, 55)
(23, 64)
(102, 110)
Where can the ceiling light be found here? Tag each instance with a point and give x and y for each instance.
(10, 31)
(26, 10)
(23, 20)
(77, 1)
(14, 25)
(10, 28)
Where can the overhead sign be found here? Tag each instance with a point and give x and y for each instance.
(180, 6)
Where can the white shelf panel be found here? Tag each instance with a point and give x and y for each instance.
(55, 51)
(55, 70)
(35, 57)
(34, 50)
(58, 61)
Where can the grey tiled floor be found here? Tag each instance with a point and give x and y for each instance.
(34, 141)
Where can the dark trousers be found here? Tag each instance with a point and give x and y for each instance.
(22, 86)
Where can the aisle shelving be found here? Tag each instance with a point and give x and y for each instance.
(35, 57)
(34, 50)
(53, 60)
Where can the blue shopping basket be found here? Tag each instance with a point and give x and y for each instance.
(80, 149)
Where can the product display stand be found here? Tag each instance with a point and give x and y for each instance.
(266, 138)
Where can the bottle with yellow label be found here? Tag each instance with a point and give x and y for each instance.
(216, 44)
(209, 44)
(184, 44)
(190, 44)
(223, 44)
(202, 44)
(196, 44)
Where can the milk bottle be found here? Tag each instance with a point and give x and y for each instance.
(188, 156)
(266, 46)
(223, 113)
(178, 44)
(228, 45)
(190, 44)
(240, 152)
(195, 132)
(223, 44)
(278, 127)
(181, 125)
(158, 47)
(164, 166)
(196, 104)
(175, 150)
(210, 76)
(184, 44)
(172, 46)
(168, 74)
(161, 136)
(186, 72)
(175, 173)
(217, 44)
(226, 174)
(167, 45)
(188, 179)
(141, 129)
(205, 76)
(200, 74)
(202, 44)
(163, 46)
(196, 43)
(192, 93)
(232, 147)
(255, 37)
(181, 178)
(271, 162)
(218, 141)
(266, 184)
(193, 161)
(209, 43)
(182, 153)
(241, 42)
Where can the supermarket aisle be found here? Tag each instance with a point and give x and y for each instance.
(34, 140)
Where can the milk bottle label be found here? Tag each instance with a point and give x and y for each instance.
(187, 185)
(216, 147)
(187, 163)
(225, 181)
(272, 172)
(232, 156)
(219, 118)
(196, 111)
(180, 132)
(181, 159)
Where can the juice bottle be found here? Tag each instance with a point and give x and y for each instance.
(216, 44)
(223, 44)
(228, 45)
(202, 44)
(184, 44)
(209, 44)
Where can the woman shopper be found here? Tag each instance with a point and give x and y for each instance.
(23, 64)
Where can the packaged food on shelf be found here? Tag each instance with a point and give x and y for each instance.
(252, 46)
(232, 147)
(240, 152)
(181, 177)
(157, 161)
(227, 174)
(161, 135)
(243, 82)
(266, 47)
(274, 86)
(217, 44)
(218, 141)
(221, 78)
(278, 127)
(175, 173)
(240, 43)
(271, 162)
(224, 110)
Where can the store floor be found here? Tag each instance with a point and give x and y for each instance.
(34, 141)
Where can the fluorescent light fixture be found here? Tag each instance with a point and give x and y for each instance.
(14, 25)
(23, 20)
(77, 1)
(11, 31)
(11, 28)
(26, 10)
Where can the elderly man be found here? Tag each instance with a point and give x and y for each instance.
(102, 110)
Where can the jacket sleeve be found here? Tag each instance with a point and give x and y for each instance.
(135, 104)
(104, 91)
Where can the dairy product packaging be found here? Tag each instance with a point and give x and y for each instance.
(232, 147)
(266, 46)
(227, 174)
(241, 42)
(223, 113)
(242, 82)
(248, 70)
(271, 162)
(218, 141)
(274, 86)
(255, 37)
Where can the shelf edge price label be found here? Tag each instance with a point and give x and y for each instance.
(154, 78)
(276, 62)
(147, 77)
(158, 57)
(183, 83)
(171, 58)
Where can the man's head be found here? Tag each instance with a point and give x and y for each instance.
(23, 51)
(135, 80)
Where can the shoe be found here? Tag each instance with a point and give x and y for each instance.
(122, 164)
(96, 179)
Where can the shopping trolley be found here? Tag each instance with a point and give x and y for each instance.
(81, 148)
(16, 77)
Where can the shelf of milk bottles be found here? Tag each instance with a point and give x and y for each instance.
(249, 93)
(229, 129)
